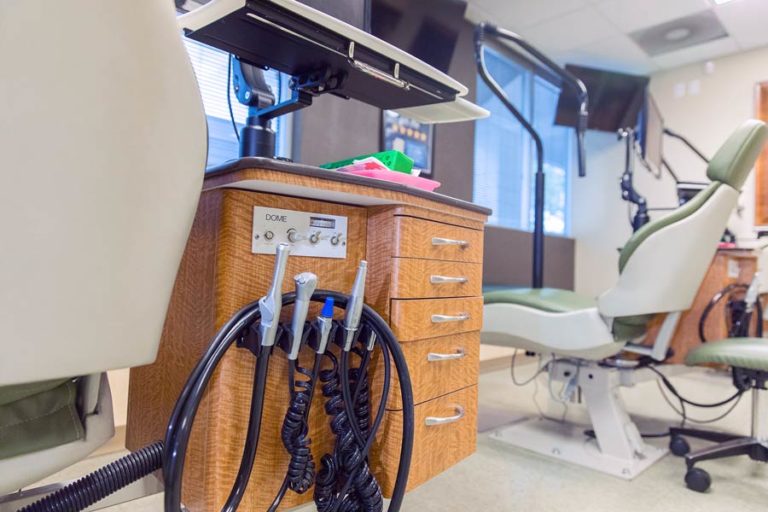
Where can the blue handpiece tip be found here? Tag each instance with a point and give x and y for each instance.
(327, 308)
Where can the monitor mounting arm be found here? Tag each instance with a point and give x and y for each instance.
(688, 144)
(257, 138)
(628, 191)
(486, 31)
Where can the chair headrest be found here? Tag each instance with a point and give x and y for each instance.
(734, 160)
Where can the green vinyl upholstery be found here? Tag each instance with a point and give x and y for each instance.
(38, 416)
(555, 300)
(546, 299)
(734, 160)
(675, 216)
(748, 353)
(730, 166)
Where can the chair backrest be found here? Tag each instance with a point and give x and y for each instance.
(663, 264)
(103, 144)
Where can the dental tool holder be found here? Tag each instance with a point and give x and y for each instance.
(390, 227)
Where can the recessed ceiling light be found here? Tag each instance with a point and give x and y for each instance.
(721, 2)
(677, 34)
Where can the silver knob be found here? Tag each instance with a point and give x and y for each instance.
(294, 236)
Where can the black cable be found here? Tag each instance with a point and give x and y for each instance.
(713, 302)
(684, 400)
(229, 97)
(180, 424)
(295, 432)
(349, 458)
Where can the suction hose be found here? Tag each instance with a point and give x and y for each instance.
(169, 455)
(101, 483)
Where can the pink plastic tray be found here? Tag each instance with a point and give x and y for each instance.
(377, 171)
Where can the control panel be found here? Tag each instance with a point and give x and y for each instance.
(309, 234)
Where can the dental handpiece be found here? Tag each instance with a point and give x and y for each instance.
(306, 283)
(355, 306)
(272, 302)
(323, 323)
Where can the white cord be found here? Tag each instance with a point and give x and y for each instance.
(538, 372)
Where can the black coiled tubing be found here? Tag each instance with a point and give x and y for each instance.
(98, 485)
(295, 432)
(344, 482)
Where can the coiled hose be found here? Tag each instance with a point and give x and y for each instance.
(349, 465)
(295, 432)
(98, 485)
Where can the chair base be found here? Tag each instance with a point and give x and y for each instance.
(568, 442)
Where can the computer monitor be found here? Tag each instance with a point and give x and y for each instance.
(427, 29)
(650, 132)
(615, 99)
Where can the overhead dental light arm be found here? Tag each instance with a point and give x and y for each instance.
(485, 30)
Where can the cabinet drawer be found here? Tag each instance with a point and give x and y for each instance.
(429, 318)
(421, 279)
(437, 367)
(418, 238)
(445, 433)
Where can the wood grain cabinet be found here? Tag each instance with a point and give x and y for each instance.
(425, 256)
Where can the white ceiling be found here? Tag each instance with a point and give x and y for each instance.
(595, 32)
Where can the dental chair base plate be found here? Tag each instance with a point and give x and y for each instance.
(567, 442)
(618, 448)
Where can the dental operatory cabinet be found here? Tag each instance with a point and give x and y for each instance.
(368, 255)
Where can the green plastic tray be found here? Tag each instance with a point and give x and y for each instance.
(394, 160)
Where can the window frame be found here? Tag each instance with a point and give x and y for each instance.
(536, 70)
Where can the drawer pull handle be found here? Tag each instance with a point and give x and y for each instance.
(441, 319)
(434, 356)
(448, 241)
(434, 420)
(447, 279)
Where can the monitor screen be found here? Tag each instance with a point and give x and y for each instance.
(354, 12)
(650, 133)
(427, 29)
(615, 99)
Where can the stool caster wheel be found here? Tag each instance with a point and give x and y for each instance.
(679, 446)
(698, 480)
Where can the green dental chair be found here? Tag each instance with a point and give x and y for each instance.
(661, 268)
(748, 359)
(103, 143)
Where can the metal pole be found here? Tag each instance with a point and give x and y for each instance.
(481, 31)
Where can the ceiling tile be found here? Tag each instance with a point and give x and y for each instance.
(746, 21)
(631, 15)
(698, 53)
(617, 53)
(517, 14)
(569, 31)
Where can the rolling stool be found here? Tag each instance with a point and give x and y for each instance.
(748, 359)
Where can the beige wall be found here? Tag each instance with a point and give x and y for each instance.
(712, 105)
(705, 106)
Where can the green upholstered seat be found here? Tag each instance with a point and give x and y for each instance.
(675, 216)
(748, 353)
(730, 166)
(546, 299)
(38, 416)
(555, 300)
